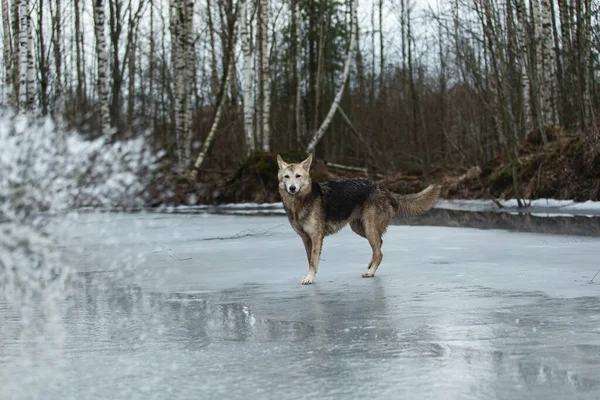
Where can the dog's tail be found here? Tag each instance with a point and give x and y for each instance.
(416, 203)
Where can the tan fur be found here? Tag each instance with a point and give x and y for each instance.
(307, 217)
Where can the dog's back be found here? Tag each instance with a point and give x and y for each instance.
(342, 197)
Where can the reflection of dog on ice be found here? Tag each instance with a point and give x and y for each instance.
(316, 210)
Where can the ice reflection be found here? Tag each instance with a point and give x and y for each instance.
(346, 341)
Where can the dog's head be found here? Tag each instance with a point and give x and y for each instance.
(294, 178)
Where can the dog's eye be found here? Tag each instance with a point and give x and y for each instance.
(286, 176)
(298, 176)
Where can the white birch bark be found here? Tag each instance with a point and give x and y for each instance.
(23, 12)
(102, 57)
(524, 61)
(179, 64)
(266, 107)
(248, 77)
(548, 67)
(8, 53)
(538, 63)
(30, 66)
(321, 131)
(15, 23)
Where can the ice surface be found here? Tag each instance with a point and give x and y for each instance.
(211, 306)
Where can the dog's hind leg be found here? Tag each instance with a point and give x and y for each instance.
(376, 242)
(358, 228)
(374, 224)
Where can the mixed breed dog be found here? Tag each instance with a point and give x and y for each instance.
(319, 209)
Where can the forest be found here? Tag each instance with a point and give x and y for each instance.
(492, 98)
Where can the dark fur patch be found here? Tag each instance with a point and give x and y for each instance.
(341, 197)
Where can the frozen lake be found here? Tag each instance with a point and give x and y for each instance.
(206, 306)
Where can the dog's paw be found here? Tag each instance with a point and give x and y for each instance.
(368, 274)
(307, 280)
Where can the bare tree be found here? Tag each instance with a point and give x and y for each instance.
(8, 52)
(266, 83)
(23, 59)
(56, 16)
(43, 64)
(323, 128)
(30, 64)
(102, 61)
(79, 69)
(16, 41)
(548, 65)
(525, 64)
(180, 26)
(232, 28)
(248, 76)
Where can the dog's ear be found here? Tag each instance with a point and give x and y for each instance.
(282, 164)
(306, 163)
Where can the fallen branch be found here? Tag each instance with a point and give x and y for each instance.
(346, 167)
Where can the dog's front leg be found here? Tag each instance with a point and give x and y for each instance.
(307, 245)
(315, 254)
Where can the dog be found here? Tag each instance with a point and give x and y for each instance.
(316, 210)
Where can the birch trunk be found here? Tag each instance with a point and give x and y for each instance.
(99, 22)
(321, 131)
(525, 64)
(548, 72)
(179, 62)
(30, 65)
(23, 31)
(248, 100)
(8, 52)
(264, 62)
(78, 57)
(16, 41)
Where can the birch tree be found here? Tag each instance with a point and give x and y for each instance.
(8, 53)
(549, 75)
(323, 128)
(248, 76)
(23, 31)
(266, 83)
(181, 13)
(79, 69)
(102, 62)
(525, 64)
(30, 64)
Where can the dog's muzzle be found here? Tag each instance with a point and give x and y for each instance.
(292, 189)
